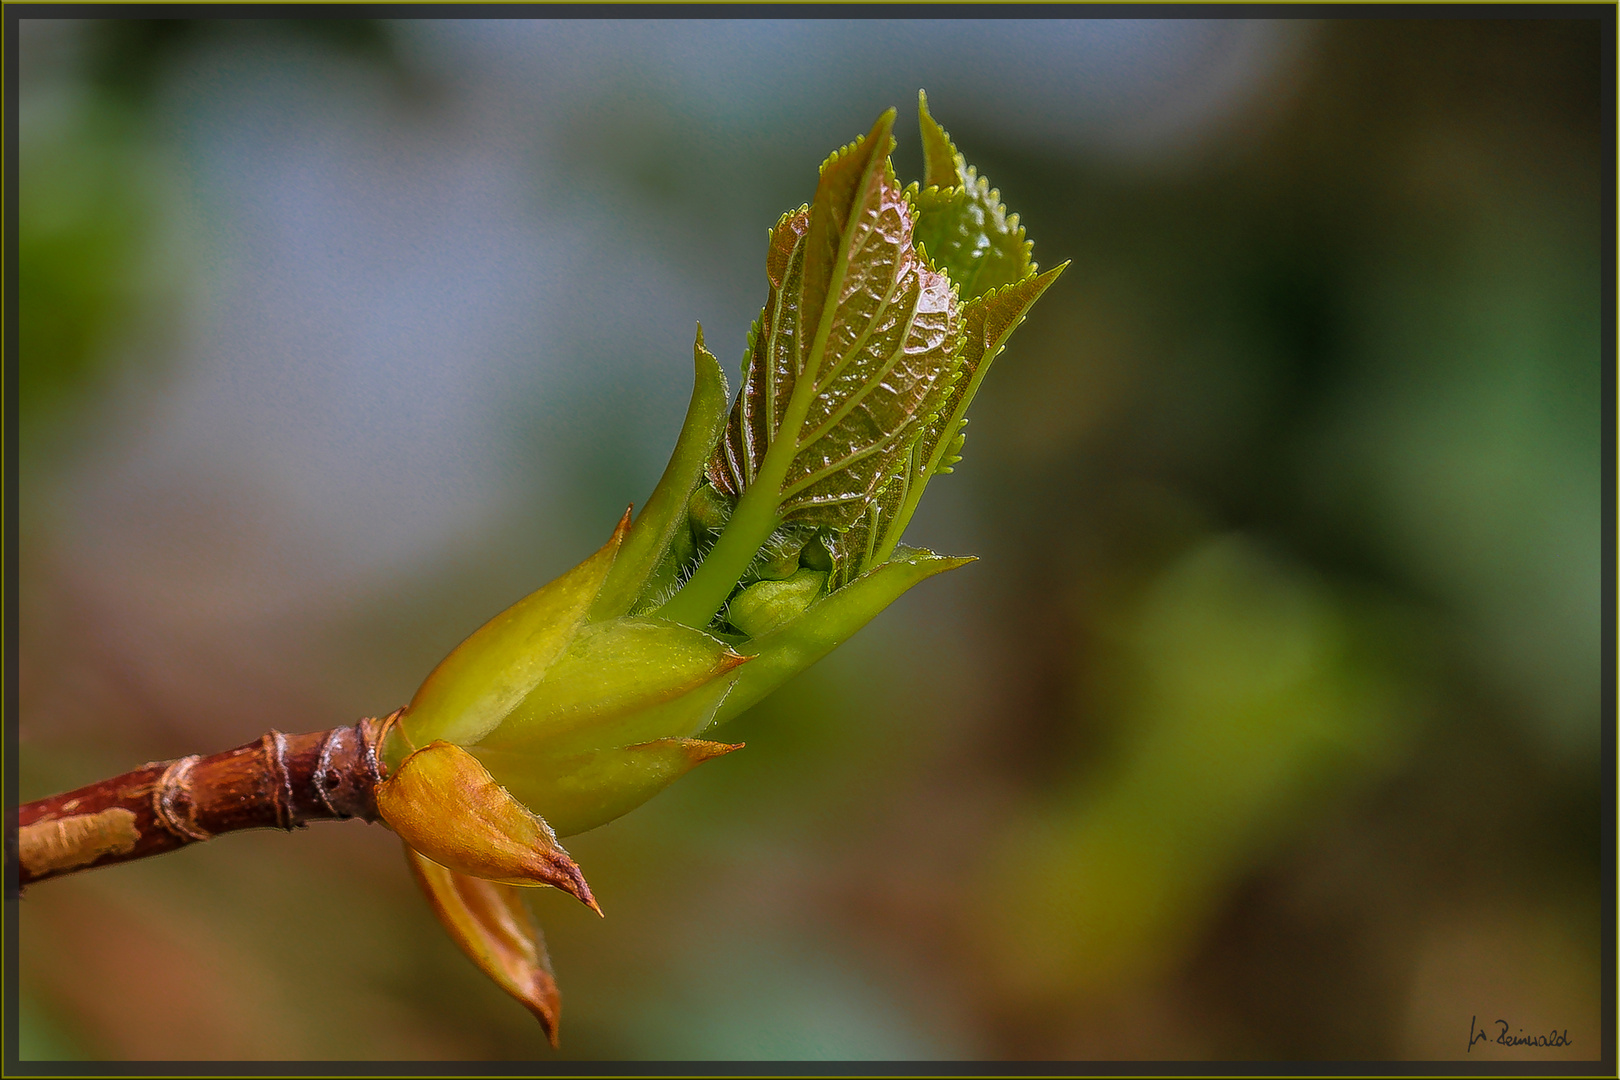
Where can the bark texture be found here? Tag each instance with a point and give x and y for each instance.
(277, 781)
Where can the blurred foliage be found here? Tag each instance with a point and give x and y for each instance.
(1251, 696)
(128, 58)
(79, 247)
(1266, 725)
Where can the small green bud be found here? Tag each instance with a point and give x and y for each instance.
(778, 557)
(767, 605)
(708, 511)
(779, 654)
(815, 555)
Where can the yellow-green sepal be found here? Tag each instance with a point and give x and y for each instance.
(487, 676)
(829, 622)
(622, 682)
(576, 792)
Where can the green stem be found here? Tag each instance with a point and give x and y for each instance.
(751, 524)
(914, 489)
(758, 511)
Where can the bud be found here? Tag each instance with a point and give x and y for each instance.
(772, 537)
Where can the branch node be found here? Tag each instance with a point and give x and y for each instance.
(171, 794)
(273, 744)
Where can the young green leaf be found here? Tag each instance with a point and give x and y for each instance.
(965, 228)
(856, 346)
(961, 221)
(989, 321)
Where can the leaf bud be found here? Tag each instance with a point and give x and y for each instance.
(768, 605)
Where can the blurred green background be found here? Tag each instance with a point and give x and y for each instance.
(1267, 724)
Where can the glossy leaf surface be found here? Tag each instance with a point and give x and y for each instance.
(857, 334)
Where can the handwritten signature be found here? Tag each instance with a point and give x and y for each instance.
(1477, 1034)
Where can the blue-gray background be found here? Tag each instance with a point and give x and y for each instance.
(1265, 726)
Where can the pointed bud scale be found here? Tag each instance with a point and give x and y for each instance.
(445, 805)
(491, 924)
(576, 792)
(476, 686)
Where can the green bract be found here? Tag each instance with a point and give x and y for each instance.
(772, 537)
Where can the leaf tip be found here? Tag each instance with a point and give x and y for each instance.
(545, 1002)
(881, 137)
(704, 751)
(729, 661)
(560, 871)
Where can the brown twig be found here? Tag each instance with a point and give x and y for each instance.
(277, 781)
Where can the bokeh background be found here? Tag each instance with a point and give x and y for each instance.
(1266, 726)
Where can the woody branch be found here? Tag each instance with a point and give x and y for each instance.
(277, 781)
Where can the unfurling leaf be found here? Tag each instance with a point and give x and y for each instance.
(857, 335)
(967, 232)
(445, 805)
(961, 221)
(491, 924)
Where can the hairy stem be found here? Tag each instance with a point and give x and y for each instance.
(278, 781)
